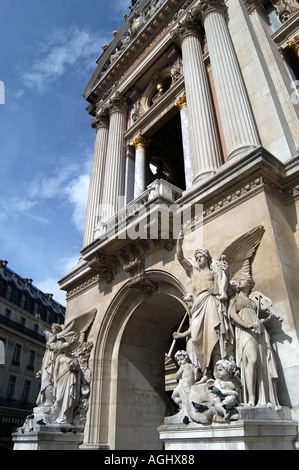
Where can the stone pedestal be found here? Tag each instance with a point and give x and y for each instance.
(256, 429)
(50, 437)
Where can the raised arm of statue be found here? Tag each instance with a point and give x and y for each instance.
(180, 254)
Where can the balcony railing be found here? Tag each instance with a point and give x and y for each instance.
(16, 404)
(22, 329)
(158, 192)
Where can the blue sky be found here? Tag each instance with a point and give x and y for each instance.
(48, 53)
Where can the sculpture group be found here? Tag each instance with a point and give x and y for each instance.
(229, 361)
(65, 375)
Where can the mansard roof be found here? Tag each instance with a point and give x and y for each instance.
(25, 285)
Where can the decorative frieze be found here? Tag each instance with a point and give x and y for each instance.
(285, 9)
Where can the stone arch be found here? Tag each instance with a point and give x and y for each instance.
(159, 77)
(128, 399)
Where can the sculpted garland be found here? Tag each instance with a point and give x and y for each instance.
(229, 360)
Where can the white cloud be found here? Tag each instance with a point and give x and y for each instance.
(51, 286)
(77, 191)
(67, 184)
(67, 47)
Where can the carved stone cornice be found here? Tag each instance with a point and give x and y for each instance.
(254, 5)
(205, 7)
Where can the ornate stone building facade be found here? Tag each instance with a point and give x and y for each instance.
(195, 110)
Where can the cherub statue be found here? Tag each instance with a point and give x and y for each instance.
(186, 376)
(226, 390)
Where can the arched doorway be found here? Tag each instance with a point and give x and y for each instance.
(129, 401)
(141, 396)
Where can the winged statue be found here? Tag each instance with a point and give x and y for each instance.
(227, 318)
(64, 373)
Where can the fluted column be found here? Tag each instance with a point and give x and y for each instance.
(129, 174)
(181, 104)
(141, 144)
(113, 190)
(204, 136)
(101, 124)
(237, 120)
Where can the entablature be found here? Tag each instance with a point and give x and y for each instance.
(142, 39)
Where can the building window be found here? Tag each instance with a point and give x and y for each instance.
(11, 387)
(17, 355)
(7, 313)
(26, 391)
(23, 301)
(31, 359)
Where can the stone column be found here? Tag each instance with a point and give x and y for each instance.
(141, 144)
(113, 190)
(101, 124)
(129, 174)
(181, 103)
(237, 120)
(204, 136)
(280, 76)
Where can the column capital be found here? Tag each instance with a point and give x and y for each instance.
(188, 26)
(140, 142)
(294, 44)
(205, 7)
(117, 103)
(100, 120)
(181, 102)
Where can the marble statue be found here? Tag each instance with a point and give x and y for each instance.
(227, 340)
(185, 376)
(65, 375)
(226, 390)
(55, 337)
(209, 330)
(66, 390)
(254, 353)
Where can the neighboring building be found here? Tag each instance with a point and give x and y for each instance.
(194, 104)
(22, 347)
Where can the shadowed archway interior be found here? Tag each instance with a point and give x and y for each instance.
(141, 396)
